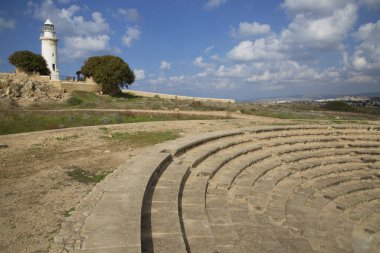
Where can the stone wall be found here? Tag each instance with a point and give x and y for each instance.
(78, 86)
(169, 96)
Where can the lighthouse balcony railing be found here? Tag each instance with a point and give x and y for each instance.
(55, 35)
(71, 78)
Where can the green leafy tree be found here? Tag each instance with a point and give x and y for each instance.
(29, 62)
(109, 72)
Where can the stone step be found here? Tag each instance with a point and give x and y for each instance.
(366, 235)
(161, 222)
(284, 188)
(196, 225)
(317, 193)
(317, 132)
(269, 189)
(115, 223)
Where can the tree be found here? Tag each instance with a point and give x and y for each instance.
(109, 72)
(29, 62)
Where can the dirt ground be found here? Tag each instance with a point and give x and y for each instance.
(36, 192)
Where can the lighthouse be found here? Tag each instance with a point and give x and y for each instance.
(49, 43)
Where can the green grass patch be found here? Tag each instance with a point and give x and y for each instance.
(140, 139)
(310, 111)
(86, 177)
(104, 129)
(358, 122)
(28, 121)
(339, 106)
(74, 100)
(88, 100)
(67, 213)
(67, 137)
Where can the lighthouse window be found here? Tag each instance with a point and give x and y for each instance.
(53, 67)
(48, 27)
(53, 54)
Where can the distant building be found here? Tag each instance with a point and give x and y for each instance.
(49, 50)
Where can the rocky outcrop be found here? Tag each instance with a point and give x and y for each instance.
(25, 89)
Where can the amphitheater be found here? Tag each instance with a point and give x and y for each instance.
(304, 188)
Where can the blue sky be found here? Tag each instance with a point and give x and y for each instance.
(241, 49)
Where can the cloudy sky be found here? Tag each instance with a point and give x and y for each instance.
(242, 49)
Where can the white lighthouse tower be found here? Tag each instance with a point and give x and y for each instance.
(49, 48)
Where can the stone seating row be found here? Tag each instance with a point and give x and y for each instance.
(200, 194)
(262, 187)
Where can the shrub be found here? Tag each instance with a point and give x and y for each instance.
(338, 106)
(109, 72)
(29, 62)
(74, 100)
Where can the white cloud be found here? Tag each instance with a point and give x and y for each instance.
(157, 81)
(304, 34)
(215, 57)
(67, 22)
(324, 33)
(177, 79)
(131, 35)
(200, 63)
(366, 58)
(250, 29)
(268, 48)
(320, 7)
(236, 71)
(223, 84)
(80, 47)
(211, 4)
(268, 75)
(139, 74)
(129, 14)
(165, 65)
(292, 57)
(291, 72)
(208, 49)
(65, 1)
(361, 79)
(7, 24)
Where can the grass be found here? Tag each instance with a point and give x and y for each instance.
(67, 213)
(74, 100)
(309, 111)
(85, 100)
(338, 106)
(67, 137)
(291, 110)
(37, 150)
(15, 120)
(141, 139)
(28, 121)
(86, 177)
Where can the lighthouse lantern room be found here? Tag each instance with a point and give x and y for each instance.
(49, 43)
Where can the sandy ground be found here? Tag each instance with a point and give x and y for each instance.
(36, 192)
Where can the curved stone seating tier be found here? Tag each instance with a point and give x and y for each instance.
(264, 189)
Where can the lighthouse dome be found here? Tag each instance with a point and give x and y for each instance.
(48, 22)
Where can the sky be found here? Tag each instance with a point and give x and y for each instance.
(239, 49)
